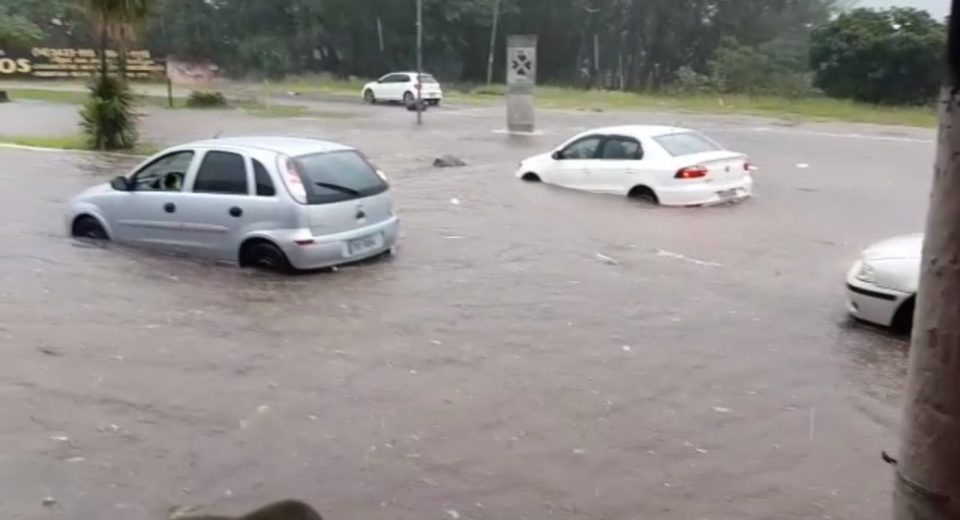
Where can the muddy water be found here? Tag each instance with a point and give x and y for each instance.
(529, 353)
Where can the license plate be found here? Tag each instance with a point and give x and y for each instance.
(728, 194)
(365, 244)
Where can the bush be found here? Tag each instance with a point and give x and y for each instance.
(200, 99)
(108, 118)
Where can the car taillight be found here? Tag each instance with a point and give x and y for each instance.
(295, 184)
(691, 172)
(747, 166)
(418, 86)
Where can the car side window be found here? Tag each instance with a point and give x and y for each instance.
(621, 148)
(222, 172)
(265, 186)
(585, 148)
(164, 174)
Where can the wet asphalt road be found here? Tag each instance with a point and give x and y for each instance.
(495, 368)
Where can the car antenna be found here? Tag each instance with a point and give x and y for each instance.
(218, 134)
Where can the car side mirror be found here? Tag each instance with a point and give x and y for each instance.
(557, 155)
(120, 184)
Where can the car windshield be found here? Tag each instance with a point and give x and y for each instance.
(687, 143)
(338, 176)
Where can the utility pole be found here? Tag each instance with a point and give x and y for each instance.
(493, 40)
(927, 485)
(419, 62)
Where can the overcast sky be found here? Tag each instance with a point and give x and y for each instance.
(938, 8)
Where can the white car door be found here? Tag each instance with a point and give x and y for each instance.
(381, 89)
(216, 206)
(146, 214)
(571, 165)
(618, 165)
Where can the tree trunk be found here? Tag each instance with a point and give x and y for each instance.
(103, 45)
(928, 473)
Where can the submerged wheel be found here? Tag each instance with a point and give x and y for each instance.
(370, 97)
(530, 177)
(645, 194)
(263, 255)
(89, 227)
(408, 98)
(903, 320)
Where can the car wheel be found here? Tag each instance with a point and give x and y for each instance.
(903, 320)
(408, 98)
(530, 177)
(645, 194)
(370, 97)
(262, 255)
(89, 227)
(434, 102)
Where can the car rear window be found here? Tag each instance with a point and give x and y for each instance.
(686, 143)
(427, 78)
(337, 177)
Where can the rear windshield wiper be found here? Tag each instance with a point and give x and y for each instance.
(337, 187)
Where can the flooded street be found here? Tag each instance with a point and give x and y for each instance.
(529, 353)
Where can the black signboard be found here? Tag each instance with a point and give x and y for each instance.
(66, 63)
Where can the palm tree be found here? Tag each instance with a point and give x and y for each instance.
(114, 18)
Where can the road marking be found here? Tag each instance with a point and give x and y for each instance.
(24, 147)
(677, 256)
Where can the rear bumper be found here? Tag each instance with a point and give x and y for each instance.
(706, 193)
(332, 250)
(871, 303)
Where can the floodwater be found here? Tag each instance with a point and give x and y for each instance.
(531, 352)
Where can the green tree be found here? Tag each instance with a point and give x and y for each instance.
(16, 30)
(108, 117)
(879, 56)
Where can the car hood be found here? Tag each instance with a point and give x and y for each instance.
(539, 158)
(904, 247)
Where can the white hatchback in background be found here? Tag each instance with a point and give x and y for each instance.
(403, 87)
(280, 203)
(667, 165)
(882, 285)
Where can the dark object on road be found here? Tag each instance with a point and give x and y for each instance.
(888, 459)
(448, 161)
(4, 97)
(285, 510)
(412, 106)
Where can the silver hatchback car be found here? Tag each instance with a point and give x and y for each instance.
(279, 203)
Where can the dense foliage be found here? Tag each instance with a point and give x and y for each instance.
(784, 47)
(108, 116)
(890, 56)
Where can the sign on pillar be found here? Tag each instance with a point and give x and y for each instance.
(521, 83)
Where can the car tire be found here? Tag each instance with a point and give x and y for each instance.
(370, 97)
(90, 228)
(434, 102)
(264, 256)
(408, 98)
(903, 319)
(645, 194)
(530, 177)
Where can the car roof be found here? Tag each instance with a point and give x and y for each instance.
(292, 146)
(411, 72)
(639, 131)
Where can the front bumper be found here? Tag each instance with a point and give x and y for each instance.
(870, 303)
(706, 193)
(332, 250)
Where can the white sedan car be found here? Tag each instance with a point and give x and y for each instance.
(882, 285)
(403, 87)
(666, 165)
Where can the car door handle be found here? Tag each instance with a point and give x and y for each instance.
(170, 207)
(236, 212)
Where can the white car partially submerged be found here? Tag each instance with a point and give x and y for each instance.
(666, 165)
(404, 87)
(882, 285)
